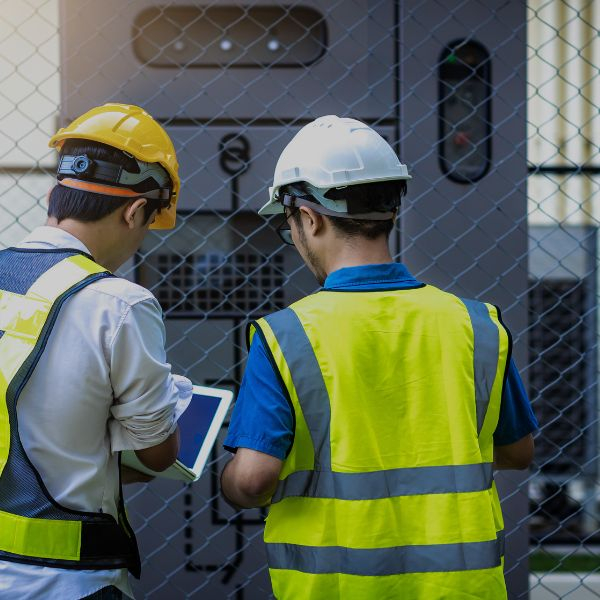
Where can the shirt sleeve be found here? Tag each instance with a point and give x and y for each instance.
(262, 418)
(148, 399)
(516, 415)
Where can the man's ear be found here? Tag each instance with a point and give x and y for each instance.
(313, 221)
(134, 214)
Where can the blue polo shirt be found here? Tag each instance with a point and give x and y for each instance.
(262, 418)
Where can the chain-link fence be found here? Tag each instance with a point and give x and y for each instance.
(494, 106)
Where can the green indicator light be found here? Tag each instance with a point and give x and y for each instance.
(451, 58)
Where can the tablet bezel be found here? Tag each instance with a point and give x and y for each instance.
(226, 397)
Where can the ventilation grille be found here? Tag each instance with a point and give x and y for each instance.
(558, 382)
(235, 285)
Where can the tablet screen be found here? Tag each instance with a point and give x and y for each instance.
(194, 425)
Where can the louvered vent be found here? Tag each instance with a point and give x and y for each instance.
(558, 375)
(215, 285)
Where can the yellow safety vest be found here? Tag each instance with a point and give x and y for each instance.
(387, 491)
(34, 528)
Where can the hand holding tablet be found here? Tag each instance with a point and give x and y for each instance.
(199, 426)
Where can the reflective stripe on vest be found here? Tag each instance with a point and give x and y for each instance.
(317, 499)
(445, 479)
(33, 527)
(485, 356)
(308, 381)
(439, 558)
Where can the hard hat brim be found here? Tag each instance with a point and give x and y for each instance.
(272, 207)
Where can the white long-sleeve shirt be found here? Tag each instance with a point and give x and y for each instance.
(102, 385)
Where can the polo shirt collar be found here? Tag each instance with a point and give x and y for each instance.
(370, 275)
(55, 237)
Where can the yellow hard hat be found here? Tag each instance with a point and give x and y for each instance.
(133, 130)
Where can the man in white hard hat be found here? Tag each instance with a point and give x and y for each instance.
(372, 413)
(84, 372)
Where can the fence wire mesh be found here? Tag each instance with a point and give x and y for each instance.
(494, 106)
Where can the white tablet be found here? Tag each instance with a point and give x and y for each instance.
(199, 426)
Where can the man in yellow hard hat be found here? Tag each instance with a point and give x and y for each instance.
(372, 413)
(84, 373)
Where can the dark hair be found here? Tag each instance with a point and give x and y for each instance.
(378, 196)
(69, 203)
(370, 230)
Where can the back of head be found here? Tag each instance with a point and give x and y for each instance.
(348, 172)
(379, 200)
(83, 204)
(110, 156)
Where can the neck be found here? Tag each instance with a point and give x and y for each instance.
(97, 238)
(358, 252)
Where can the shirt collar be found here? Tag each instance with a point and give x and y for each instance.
(54, 237)
(370, 275)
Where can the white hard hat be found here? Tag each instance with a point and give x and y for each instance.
(333, 152)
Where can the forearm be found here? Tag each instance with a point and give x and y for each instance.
(161, 456)
(129, 475)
